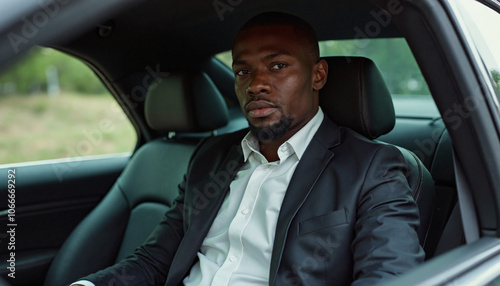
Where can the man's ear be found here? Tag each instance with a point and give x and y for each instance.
(320, 74)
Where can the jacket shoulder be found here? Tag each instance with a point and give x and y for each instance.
(212, 151)
(224, 141)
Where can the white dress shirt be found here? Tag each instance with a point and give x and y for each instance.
(237, 249)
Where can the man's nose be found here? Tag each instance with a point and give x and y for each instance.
(259, 84)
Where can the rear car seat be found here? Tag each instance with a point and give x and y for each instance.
(148, 185)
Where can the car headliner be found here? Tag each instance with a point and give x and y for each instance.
(178, 34)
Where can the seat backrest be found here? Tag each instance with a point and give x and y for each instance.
(446, 229)
(357, 97)
(147, 187)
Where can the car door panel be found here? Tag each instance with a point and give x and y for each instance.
(47, 201)
(457, 267)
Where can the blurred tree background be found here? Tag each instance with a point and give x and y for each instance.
(41, 65)
(495, 74)
(53, 106)
(392, 56)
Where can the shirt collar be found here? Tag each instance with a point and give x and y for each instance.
(298, 142)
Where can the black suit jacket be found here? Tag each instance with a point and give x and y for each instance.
(348, 215)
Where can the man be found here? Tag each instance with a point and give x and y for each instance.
(301, 202)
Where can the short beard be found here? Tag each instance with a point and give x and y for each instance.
(273, 132)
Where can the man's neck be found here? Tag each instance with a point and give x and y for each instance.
(270, 148)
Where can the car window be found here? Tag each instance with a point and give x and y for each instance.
(397, 64)
(53, 106)
(392, 56)
(481, 23)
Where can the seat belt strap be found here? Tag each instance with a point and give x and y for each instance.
(453, 233)
(466, 203)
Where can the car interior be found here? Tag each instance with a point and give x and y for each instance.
(158, 60)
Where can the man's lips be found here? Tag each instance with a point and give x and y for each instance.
(260, 108)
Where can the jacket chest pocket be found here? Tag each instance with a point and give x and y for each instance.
(336, 218)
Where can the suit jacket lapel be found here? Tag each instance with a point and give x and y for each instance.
(315, 159)
(201, 222)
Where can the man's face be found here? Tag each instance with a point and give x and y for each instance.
(275, 81)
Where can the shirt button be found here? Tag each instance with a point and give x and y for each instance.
(232, 258)
(284, 148)
(244, 211)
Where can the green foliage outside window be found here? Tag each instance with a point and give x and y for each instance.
(29, 76)
(53, 106)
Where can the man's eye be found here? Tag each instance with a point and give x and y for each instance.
(278, 66)
(241, 72)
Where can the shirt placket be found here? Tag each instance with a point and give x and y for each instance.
(241, 220)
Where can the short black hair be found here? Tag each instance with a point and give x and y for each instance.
(302, 29)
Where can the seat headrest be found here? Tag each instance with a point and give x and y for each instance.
(185, 101)
(356, 96)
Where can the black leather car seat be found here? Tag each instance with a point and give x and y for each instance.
(354, 96)
(148, 185)
(357, 97)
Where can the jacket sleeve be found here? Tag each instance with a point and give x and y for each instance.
(150, 263)
(386, 242)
